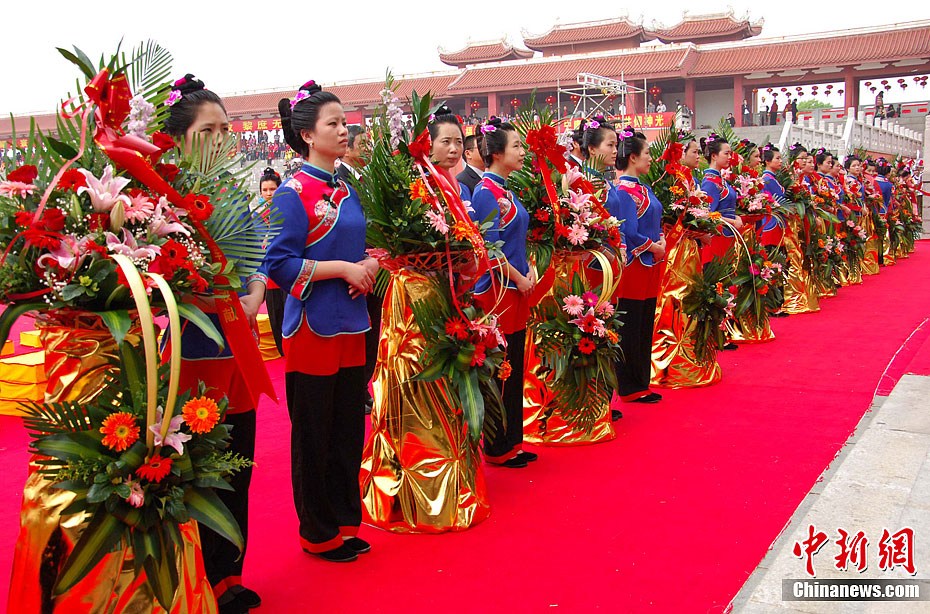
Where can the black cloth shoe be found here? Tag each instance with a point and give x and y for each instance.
(615, 414)
(514, 463)
(231, 605)
(358, 545)
(246, 596)
(527, 456)
(779, 314)
(652, 397)
(342, 554)
(369, 405)
(731, 346)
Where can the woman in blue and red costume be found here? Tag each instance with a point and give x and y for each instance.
(448, 145)
(319, 259)
(771, 230)
(718, 153)
(198, 115)
(503, 153)
(886, 188)
(269, 182)
(641, 213)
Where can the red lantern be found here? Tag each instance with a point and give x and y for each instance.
(799, 88)
(884, 81)
(872, 89)
(475, 105)
(868, 83)
(769, 90)
(755, 90)
(550, 99)
(515, 103)
(574, 97)
(900, 80)
(655, 91)
(840, 92)
(916, 79)
(784, 89)
(829, 86)
(887, 88)
(904, 86)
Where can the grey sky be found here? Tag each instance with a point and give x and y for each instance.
(236, 46)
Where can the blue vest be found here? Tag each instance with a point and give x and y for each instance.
(771, 186)
(316, 231)
(886, 188)
(510, 223)
(722, 194)
(641, 213)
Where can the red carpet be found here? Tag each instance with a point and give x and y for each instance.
(673, 516)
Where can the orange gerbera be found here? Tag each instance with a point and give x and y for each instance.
(155, 470)
(461, 231)
(714, 215)
(201, 414)
(119, 431)
(419, 191)
(612, 336)
(504, 372)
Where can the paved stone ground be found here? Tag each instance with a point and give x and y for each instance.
(881, 479)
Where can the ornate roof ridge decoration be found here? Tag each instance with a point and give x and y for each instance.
(706, 28)
(617, 28)
(477, 52)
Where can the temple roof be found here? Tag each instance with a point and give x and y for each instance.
(477, 53)
(716, 28)
(588, 32)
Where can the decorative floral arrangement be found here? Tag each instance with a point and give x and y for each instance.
(133, 484)
(102, 188)
(566, 209)
(907, 226)
(410, 206)
(674, 185)
(853, 239)
(464, 346)
(758, 280)
(579, 341)
(96, 220)
(708, 303)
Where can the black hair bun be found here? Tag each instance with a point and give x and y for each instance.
(311, 87)
(284, 108)
(497, 122)
(188, 84)
(442, 110)
(269, 172)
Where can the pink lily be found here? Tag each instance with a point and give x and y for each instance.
(104, 192)
(165, 221)
(174, 439)
(69, 254)
(130, 248)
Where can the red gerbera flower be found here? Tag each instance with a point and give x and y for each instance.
(23, 218)
(198, 207)
(72, 179)
(174, 252)
(586, 346)
(542, 215)
(42, 239)
(155, 470)
(26, 174)
(52, 219)
(99, 221)
(457, 328)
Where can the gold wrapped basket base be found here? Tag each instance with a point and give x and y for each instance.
(79, 352)
(421, 472)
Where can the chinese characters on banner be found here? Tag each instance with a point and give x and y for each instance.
(894, 550)
(645, 121)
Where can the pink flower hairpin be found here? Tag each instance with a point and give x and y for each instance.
(173, 98)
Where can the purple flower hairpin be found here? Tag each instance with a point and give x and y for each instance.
(710, 138)
(487, 128)
(173, 98)
(766, 147)
(593, 125)
(300, 95)
(626, 133)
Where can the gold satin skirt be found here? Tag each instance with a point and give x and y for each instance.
(421, 472)
(674, 364)
(869, 264)
(800, 294)
(542, 425)
(79, 353)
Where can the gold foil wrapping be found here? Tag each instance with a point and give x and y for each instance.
(541, 423)
(421, 472)
(79, 351)
(674, 364)
(800, 294)
(745, 329)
